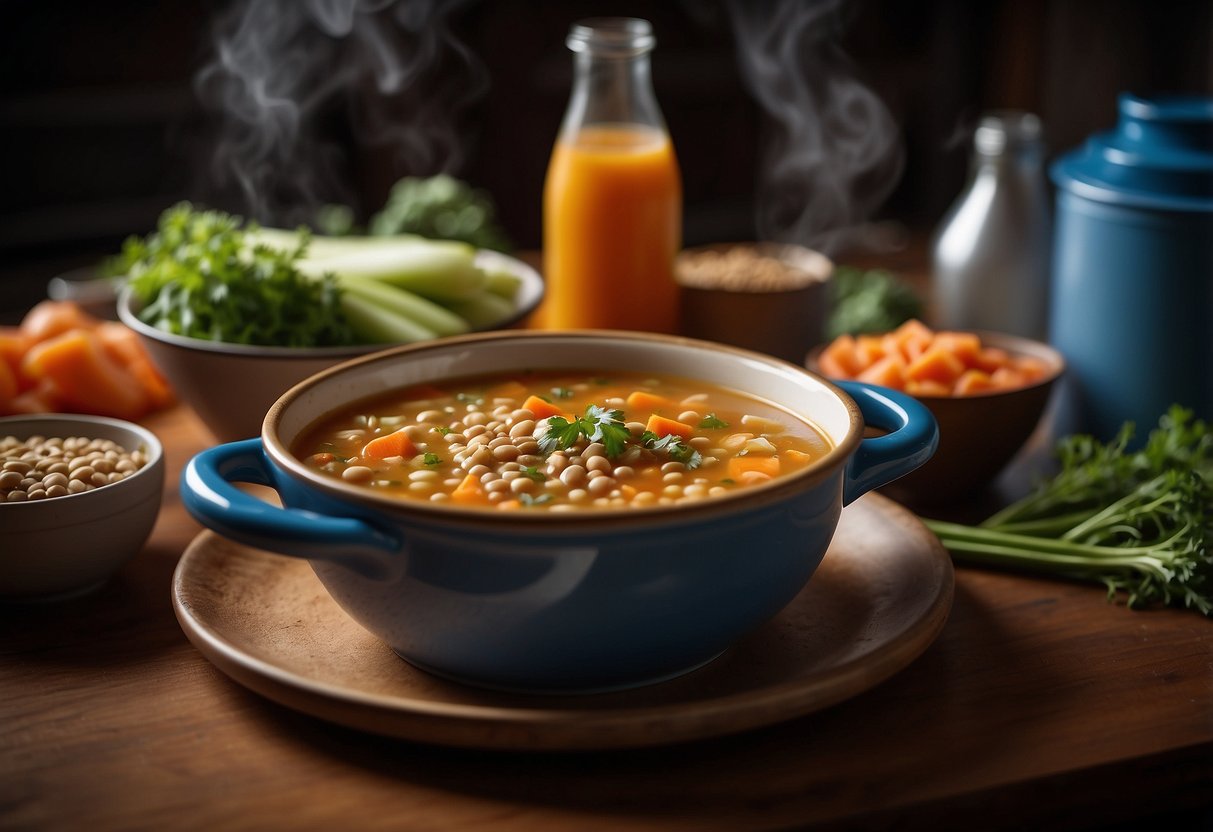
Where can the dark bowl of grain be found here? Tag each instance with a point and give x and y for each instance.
(768, 297)
(78, 497)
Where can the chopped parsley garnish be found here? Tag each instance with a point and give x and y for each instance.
(432, 459)
(711, 422)
(442, 431)
(672, 446)
(597, 425)
(533, 473)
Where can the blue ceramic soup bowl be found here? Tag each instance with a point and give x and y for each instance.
(559, 602)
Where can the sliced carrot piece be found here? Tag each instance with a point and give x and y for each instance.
(936, 364)
(887, 372)
(542, 409)
(839, 358)
(972, 382)
(650, 402)
(740, 465)
(990, 359)
(868, 350)
(84, 377)
(1007, 378)
(662, 426)
(470, 491)
(966, 346)
(928, 387)
(396, 443)
(49, 318)
(123, 346)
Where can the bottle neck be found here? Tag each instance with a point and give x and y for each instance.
(612, 81)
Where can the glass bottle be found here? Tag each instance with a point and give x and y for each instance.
(990, 259)
(612, 204)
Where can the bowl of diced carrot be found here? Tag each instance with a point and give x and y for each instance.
(988, 392)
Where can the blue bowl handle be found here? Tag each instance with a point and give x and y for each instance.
(912, 438)
(210, 497)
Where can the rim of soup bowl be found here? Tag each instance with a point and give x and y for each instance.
(776, 490)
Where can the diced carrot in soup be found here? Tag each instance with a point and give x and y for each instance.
(740, 465)
(470, 491)
(664, 427)
(651, 403)
(540, 408)
(396, 443)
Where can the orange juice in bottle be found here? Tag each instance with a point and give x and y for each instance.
(612, 207)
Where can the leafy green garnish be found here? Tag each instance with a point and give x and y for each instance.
(711, 422)
(672, 446)
(441, 207)
(442, 431)
(431, 459)
(533, 473)
(1140, 522)
(597, 425)
(195, 276)
(869, 301)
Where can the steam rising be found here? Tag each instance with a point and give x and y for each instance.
(296, 83)
(834, 154)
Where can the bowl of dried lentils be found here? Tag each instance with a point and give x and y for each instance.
(79, 496)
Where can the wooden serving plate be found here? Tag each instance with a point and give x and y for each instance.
(879, 598)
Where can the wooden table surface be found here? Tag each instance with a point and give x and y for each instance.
(1040, 705)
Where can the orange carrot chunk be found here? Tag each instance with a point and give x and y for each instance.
(542, 409)
(886, 372)
(55, 317)
(662, 426)
(650, 402)
(396, 443)
(470, 491)
(84, 377)
(936, 364)
(972, 382)
(740, 465)
(839, 358)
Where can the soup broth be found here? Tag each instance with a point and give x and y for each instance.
(562, 441)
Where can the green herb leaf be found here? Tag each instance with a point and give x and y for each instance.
(597, 425)
(672, 446)
(533, 473)
(442, 431)
(432, 459)
(711, 422)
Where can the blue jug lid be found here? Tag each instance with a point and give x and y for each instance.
(1160, 155)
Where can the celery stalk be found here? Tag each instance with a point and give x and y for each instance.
(377, 325)
(435, 269)
(403, 302)
(484, 310)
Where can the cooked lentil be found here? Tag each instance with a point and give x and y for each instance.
(562, 441)
(40, 467)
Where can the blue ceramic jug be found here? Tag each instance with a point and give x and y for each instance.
(1132, 296)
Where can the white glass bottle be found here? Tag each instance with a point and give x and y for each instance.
(990, 258)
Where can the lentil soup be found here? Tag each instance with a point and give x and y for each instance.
(562, 441)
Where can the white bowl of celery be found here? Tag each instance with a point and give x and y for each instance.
(235, 315)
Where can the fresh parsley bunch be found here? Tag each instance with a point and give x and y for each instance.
(196, 276)
(1141, 522)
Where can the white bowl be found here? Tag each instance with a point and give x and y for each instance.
(231, 386)
(66, 546)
